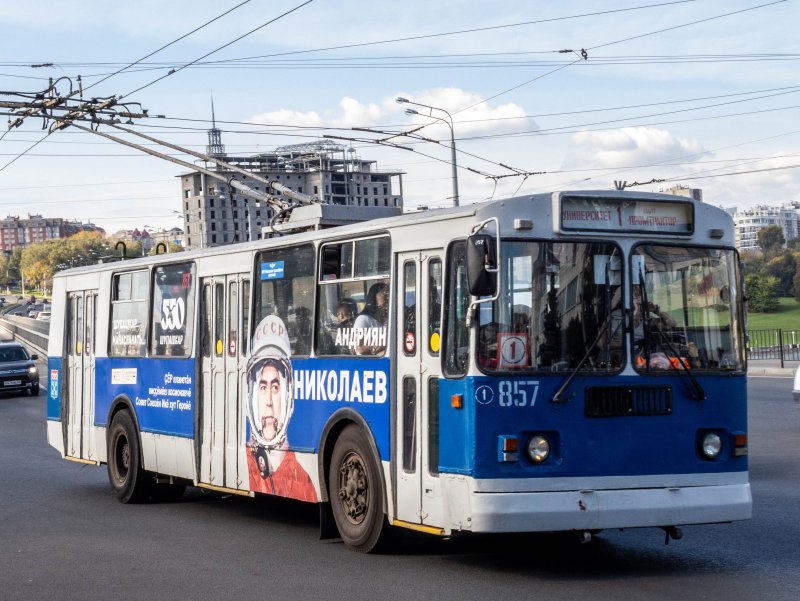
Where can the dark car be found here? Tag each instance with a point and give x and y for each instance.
(17, 368)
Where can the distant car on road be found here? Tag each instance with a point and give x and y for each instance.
(17, 368)
(43, 316)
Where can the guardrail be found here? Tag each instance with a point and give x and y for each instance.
(32, 331)
(773, 344)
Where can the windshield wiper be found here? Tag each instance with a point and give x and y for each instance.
(699, 394)
(558, 396)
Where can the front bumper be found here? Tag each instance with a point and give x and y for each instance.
(600, 509)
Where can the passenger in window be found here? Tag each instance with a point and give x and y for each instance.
(302, 317)
(341, 333)
(370, 329)
(346, 313)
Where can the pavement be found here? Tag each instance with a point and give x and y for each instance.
(771, 367)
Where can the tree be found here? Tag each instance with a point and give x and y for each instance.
(762, 293)
(771, 239)
(783, 267)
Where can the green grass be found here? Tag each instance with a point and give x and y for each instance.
(787, 317)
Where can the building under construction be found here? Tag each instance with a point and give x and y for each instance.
(215, 214)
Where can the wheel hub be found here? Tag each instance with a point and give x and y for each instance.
(354, 488)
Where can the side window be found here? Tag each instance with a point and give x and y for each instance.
(409, 424)
(434, 305)
(433, 426)
(286, 289)
(245, 335)
(79, 333)
(353, 299)
(456, 334)
(205, 342)
(233, 318)
(129, 300)
(219, 318)
(410, 307)
(173, 310)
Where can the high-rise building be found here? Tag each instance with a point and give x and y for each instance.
(750, 221)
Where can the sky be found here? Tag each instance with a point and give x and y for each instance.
(543, 95)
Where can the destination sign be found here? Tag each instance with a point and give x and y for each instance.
(624, 214)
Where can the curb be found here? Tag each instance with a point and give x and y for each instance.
(786, 372)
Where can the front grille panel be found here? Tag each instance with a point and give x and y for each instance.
(624, 401)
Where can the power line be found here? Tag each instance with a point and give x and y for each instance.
(181, 68)
(176, 40)
(736, 12)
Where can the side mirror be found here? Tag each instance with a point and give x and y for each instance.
(481, 265)
(34, 357)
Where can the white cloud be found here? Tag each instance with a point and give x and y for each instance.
(351, 112)
(630, 146)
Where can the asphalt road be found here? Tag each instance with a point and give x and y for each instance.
(64, 536)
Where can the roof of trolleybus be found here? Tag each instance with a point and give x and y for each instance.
(541, 209)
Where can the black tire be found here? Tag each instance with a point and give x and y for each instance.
(130, 483)
(356, 492)
(35, 389)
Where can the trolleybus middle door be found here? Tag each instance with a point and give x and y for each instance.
(79, 405)
(222, 369)
(418, 294)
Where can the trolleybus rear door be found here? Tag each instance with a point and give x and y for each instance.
(79, 403)
(419, 284)
(223, 380)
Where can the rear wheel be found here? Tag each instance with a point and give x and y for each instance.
(356, 492)
(131, 484)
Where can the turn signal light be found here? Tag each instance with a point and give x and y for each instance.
(739, 444)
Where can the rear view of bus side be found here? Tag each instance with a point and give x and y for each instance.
(561, 362)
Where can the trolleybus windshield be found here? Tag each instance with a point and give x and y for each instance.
(684, 309)
(557, 300)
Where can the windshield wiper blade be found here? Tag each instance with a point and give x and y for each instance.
(558, 396)
(699, 394)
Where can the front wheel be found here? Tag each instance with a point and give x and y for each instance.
(35, 389)
(128, 480)
(356, 492)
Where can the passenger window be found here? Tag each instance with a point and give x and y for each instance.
(286, 289)
(353, 299)
(129, 305)
(173, 310)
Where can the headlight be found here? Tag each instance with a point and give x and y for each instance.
(33, 370)
(711, 445)
(538, 448)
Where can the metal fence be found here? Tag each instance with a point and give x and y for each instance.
(32, 331)
(773, 344)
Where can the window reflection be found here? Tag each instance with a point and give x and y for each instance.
(557, 301)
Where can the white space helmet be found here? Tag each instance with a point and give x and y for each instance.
(270, 346)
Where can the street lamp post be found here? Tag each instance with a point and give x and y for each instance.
(449, 123)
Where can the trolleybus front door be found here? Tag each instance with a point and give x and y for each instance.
(223, 313)
(418, 294)
(79, 405)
